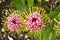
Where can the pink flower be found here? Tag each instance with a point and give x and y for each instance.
(34, 21)
(13, 22)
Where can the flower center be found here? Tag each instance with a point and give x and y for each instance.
(14, 22)
(34, 19)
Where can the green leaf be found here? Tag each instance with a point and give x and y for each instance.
(39, 2)
(31, 33)
(18, 5)
(58, 9)
(51, 31)
(30, 3)
(23, 2)
(50, 36)
(37, 35)
(48, 32)
(47, 8)
(45, 34)
(53, 14)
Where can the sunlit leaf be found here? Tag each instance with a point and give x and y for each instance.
(30, 3)
(23, 2)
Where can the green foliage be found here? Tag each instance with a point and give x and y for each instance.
(48, 32)
(37, 35)
(31, 33)
(18, 4)
(47, 8)
(45, 34)
(30, 3)
(39, 2)
(23, 2)
(58, 9)
(53, 14)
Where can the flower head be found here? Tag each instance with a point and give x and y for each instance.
(13, 22)
(34, 21)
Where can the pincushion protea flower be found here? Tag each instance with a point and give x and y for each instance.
(13, 22)
(34, 21)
